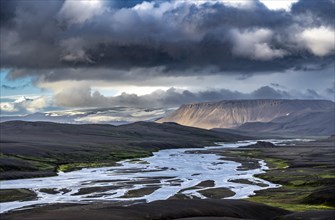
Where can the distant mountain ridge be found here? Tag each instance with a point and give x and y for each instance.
(264, 114)
(112, 115)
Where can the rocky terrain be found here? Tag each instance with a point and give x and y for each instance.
(279, 117)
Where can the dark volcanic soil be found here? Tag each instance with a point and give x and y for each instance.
(306, 172)
(169, 209)
(37, 149)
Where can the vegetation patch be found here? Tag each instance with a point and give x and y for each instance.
(77, 166)
(217, 193)
(9, 195)
(275, 163)
(246, 181)
(306, 185)
(136, 193)
(51, 191)
(78, 146)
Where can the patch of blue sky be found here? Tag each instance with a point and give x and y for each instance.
(6, 100)
(19, 87)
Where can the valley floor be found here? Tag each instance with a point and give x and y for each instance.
(306, 172)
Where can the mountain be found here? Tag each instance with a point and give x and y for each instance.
(305, 117)
(30, 149)
(309, 123)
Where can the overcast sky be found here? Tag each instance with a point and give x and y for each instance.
(96, 53)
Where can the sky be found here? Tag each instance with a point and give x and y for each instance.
(64, 54)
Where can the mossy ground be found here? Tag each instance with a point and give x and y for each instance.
(70, 162)
(8, 195)
(106, 160)
(135, 193)
(77, 166)
(297, 182)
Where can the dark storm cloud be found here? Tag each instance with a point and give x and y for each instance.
(277, 85)
(267, 92)
(180, 38)
(7, 12)
(28, 39)
(127, 3)
(321, 9)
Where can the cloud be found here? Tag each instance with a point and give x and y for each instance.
(174, 37)
(277, 85)
(73, 51)
(320, 41)
(279, 5)
(84, 97)
(321, 11)
(7, 107)
(255, 44)
(24, 105)
(267, 92)
(77, 12)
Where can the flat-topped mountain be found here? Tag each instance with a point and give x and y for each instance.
(234, 113)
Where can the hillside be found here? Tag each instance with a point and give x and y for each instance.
(310, 123)
(234, 113)
(39, 148)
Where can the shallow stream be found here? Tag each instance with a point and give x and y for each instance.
(159, 177)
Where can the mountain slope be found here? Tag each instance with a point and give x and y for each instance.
(233, 113)
(30, 149)
(309, 123)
